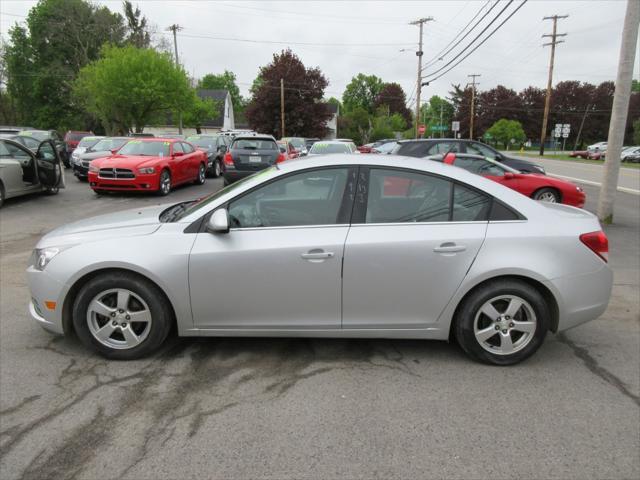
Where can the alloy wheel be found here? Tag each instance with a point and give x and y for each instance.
(165, 183)
(201, 174)
(505, 324)
(547, 197)
(216, 169)
(118, 318)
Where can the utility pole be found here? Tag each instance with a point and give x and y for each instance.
(584, 117)
(547, 102)
(420, 22)
(176, 28)
(282, 107)
(619, 112)
(473, 102)
(441, 130)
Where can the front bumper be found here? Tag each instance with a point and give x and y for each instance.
(80, 170)
(44, 289)
(141, 183)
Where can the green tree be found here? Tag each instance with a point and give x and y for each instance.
(362, 92)
(392, 97)
(336, 102)
(357, 125)
(430, 114)
(506, 132)
(635, 85)
(44, 57)
(636, 132)
(129, 87)
(224, 81)
(199, 110)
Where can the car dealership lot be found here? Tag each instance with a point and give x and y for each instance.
(237, 408)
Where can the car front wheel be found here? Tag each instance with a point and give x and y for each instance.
(547, 195)
(502, 322)
(202, 175)
(121, 316)
(165, 183)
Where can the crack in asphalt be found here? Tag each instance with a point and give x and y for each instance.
(217, 375)
(15, 408)
(593, 366)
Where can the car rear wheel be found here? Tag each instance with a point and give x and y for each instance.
(502, 322)
(202, 175)
(217, 171)
(547, 195)
(121, 316)
(165, 183)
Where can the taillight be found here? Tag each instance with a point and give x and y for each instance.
(449, 158)
(598, 243)
(281, 158)
(228, 159)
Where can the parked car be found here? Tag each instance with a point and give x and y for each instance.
(149, 165)
(103, 148)
(366, 148)
(630, 154)
(385, 148)
(433, 146)
(23, 171)
(596, 154)
(215, 146)
(332, 147)
(248, 155)
(58, 142)
(12, 130)
(288, 150)
(309, 142)
(597, 147)
(72, 138)
(82, 146)
(29, 142)
(533, 185)
(579, 154)
(299, 143)
(291, 251)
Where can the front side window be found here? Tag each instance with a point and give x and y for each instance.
(312, 197)
(479, 149)
(187, 148)
(177, 148)
(397, 196)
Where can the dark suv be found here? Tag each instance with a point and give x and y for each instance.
(249, 154)
(421, 148)
(216, 146)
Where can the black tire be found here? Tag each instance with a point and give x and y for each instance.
(466, 316)
(52, 190)
(545, 194)
(202, 175)
(216, 171)
(164, 188)
(161, 314)
(1, 194)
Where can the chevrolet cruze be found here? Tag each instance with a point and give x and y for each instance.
(330, 246)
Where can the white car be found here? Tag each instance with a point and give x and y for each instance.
(629, 152)
(597, 147)
(83, 145)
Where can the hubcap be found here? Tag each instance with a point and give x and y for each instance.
(547, 197)
(505, 325)
(201, 174)
(166, 183)
(119, 319)
(217, 168)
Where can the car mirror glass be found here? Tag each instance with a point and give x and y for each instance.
(219, 221)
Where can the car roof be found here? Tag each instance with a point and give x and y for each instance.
(254, 137)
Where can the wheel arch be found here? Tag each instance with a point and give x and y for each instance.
(72, 293)
(548, 187)
(548, 296)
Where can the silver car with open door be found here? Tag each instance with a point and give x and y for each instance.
(371, 246)
(24, 171)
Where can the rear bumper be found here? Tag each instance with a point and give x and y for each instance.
(141, 183)
(235, 175)
(582, 298)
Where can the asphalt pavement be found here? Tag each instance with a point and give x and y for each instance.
(299, 408)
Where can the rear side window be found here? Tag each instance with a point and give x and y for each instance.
(479, 149)
(443, 148)
(478, 166)
(413, 149)
(469, 205)
(254, 144)
(500, 212)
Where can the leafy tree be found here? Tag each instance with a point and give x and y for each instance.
(223, 81)
(336, 102)
(139, 35)
(305, 113)
(635, 86)
(199, 110)
(129, 87)
(385, 126)
(504, 131)
(44, 57)
(392, 97)
(357, 125)
(362, 92)
(431, 113)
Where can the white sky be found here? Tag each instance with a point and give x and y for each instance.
(513, 57)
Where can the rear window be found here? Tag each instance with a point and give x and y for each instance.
(88, 141)
(254, 144)
(139, 147)
(204, 142)
(323, 147)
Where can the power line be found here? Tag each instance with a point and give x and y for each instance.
(481, 43)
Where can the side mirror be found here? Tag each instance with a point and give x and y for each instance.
(508, 175)
(219, 221)
(114, 151)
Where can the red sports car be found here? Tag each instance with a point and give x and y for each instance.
(150, 165)
(536, 186)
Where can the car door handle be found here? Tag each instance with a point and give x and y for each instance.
(316, 255)
(450, 247)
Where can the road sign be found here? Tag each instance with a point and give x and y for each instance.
(422, 129)
(565, 135)
(455, 126)
(438, 128)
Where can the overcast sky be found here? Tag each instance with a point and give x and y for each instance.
(344, 38)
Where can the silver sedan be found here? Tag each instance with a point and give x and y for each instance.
(332, 246)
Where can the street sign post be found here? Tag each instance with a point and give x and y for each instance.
(455, 126)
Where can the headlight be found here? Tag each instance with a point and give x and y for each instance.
(93, 168)
(43, 256)
(147, 170)
(579, 189)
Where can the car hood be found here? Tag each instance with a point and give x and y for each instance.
(125, 161)
(139, 221)
(94, 155)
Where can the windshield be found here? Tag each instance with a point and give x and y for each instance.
(204, 142)
(35, 134)
(139, 147)
(88, 141)
(204, 201)
(323, 147)
(108, 144)
(254, 144)
(296, 142)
